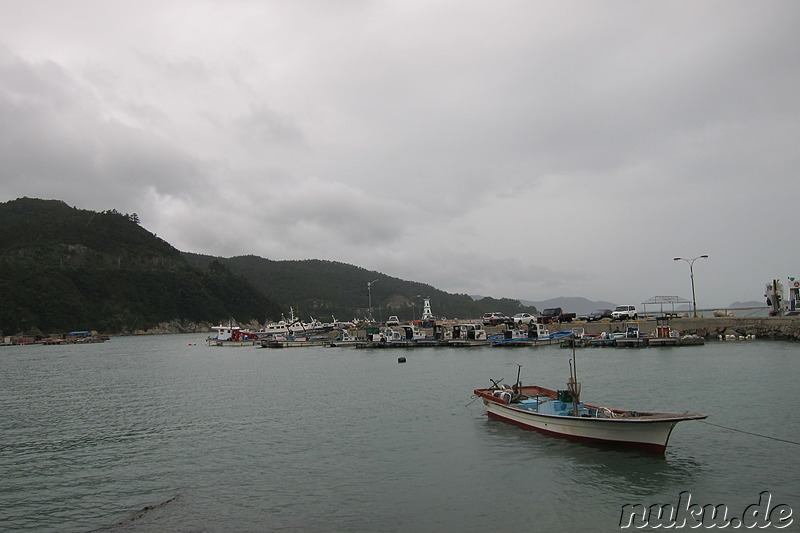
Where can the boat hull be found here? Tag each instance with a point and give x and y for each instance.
(651, 436)
(274, 343)
(230, 343)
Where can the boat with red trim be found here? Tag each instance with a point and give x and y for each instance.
(562, 413)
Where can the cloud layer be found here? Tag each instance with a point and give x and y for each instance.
(521, 149)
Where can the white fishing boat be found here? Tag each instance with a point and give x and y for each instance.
(231, 336)
(274, 330)
(534, 334)
(562, 413)
(293, 328)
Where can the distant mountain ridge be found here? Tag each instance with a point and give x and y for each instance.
(327, 289)
(570, 304)
(580, 305)
(746, 305)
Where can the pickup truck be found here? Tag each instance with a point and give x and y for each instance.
(555, 314)
(624, 312)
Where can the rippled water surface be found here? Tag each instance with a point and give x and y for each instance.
(166, 434)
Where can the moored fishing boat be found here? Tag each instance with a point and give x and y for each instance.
(534, 334)
(294, 328)
(295, 342)
(562, 413)
(403, 336)
(231, 335)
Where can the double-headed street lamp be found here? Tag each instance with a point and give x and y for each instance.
(691, 275)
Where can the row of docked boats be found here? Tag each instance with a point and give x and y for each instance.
(440, 335)
(291, 329)
(289, 334)
(632, 337)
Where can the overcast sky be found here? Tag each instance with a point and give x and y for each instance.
(523, 149)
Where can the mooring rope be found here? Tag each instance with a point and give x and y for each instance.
(474, 397)
(751, 433)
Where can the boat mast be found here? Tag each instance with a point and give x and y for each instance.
(516, 390)
(572, 384)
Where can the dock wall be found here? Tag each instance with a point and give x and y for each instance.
(780, 328)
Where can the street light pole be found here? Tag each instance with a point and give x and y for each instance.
(691, 275)
(369, 295)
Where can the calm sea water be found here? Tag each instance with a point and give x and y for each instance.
(166, 434)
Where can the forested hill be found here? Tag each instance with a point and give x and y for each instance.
(325, 288)
(63, 268)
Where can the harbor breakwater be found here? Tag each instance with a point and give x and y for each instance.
(778, 328)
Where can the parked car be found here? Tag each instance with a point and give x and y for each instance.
(624, 312)
(555, 314)
(524, 318)
(597, 315)
(495, 319)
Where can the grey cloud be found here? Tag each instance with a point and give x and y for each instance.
(265, 129)
(59, 141)
(506, 149)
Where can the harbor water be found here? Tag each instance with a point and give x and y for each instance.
(163, 433)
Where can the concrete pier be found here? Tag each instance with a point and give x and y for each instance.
(780, 328)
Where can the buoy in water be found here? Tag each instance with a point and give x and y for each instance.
(401, 359)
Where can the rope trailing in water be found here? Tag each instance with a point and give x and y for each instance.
(474, 397)
(751, 433)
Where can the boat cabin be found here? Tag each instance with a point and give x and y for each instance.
(411, 333)
(514, 333)
(440, 332)
(537, 330)
(386, 335)
(632, 330)
(663, 330)
(225, 333)
(469, 332)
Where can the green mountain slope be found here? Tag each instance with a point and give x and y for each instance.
(63, 268)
